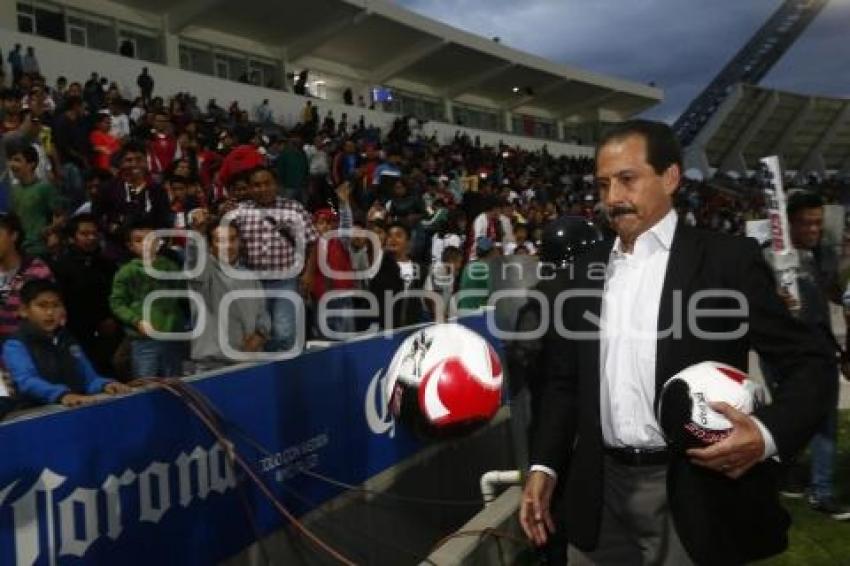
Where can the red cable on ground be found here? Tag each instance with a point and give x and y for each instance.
(188, 396)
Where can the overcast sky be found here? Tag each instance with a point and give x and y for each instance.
(678, 44)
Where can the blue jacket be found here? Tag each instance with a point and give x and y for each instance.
(46, 367)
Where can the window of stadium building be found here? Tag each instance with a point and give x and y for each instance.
(534, 127)
(421, 107)
(229, 65)
(265, 74)
(86, 32)
(45, 20)
(477, 118)
(196, 59)
(139, 44)
(89, 30)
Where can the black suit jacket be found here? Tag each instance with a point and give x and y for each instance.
(719, 521)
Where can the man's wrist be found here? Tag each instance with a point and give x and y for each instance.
(770, 449)
(545, 469)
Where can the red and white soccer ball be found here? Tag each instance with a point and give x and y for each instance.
(444, 379)
(683, 411)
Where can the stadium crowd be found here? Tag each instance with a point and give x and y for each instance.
(86, 174)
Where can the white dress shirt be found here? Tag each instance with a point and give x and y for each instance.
(628, 341)
(628, 338)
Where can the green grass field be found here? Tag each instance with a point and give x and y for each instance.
(817, 540)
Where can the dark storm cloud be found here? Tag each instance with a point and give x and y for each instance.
(677, 44)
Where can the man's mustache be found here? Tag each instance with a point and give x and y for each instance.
(617, 210)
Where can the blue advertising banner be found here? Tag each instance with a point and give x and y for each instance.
(140, 480)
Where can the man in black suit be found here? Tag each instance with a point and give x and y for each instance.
(664, 297)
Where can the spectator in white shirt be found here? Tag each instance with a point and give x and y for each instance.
(119, 126)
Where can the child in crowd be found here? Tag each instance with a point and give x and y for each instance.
(44, 361)
(247, 325)
(16, 269)
(85, 276)
(150, 357)
(444, 279)
(333, 253)
(475, 279)
(522, 245)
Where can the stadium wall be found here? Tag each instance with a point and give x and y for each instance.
(77, 63)
(139, 479)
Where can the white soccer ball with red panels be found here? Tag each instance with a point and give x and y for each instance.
(686, 418)
(444, 378)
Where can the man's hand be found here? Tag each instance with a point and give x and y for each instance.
(145, 328)
(226, 206)
(534, 515)
(117, 388)
(253, 343)
(74, 400)
(199, 219)
(736, 453)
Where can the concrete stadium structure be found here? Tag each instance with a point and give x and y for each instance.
(432, 70)
(811, 134)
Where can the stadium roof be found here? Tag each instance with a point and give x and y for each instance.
(383, 42)
(811, 134)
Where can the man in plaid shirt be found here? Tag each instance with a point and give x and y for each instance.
(279, 239)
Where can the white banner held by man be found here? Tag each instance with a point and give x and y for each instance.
(783, 256)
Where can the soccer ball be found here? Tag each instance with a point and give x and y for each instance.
(683, 410)
(444, 380)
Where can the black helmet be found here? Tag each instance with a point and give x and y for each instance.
(566, 238)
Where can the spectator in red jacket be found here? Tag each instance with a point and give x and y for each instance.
(162, 146)
(104, 145)
(333, 258)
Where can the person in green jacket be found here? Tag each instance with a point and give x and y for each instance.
(33, 200)
(150, 356)
(475, 278)
(292, 170)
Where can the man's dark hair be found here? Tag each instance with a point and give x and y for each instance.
(488, 203)
(241, 176)
(802, 199)
(102, 175)
(27, 150)
(179, 179)
(450, 253)
(254, 170)
(662, 147)
(214, 225)
(73, 102)
(34, 288)
(132, 146)
(400, 225)
(11, 222)
(135, 225)
(75, 221)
